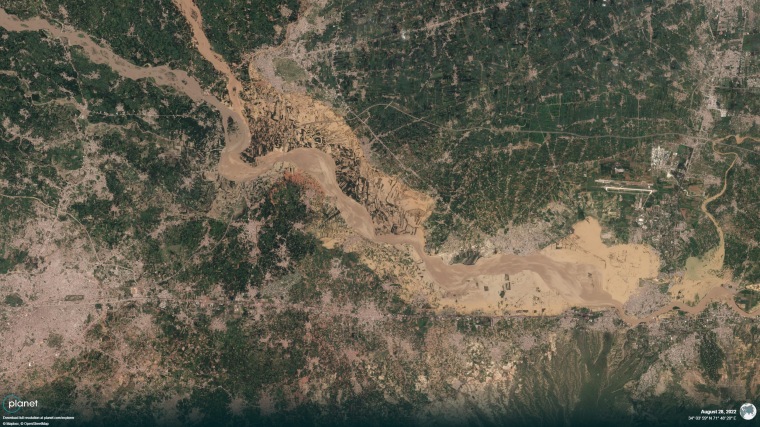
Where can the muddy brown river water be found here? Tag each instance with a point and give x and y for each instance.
(577, 283)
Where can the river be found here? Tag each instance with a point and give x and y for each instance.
(569, 279)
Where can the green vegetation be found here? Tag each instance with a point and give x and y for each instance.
(68, 156)
(738, 97)
(145, 32)
(466, 257)
(289, 70)
(23, 8)
(55, 340)
(237, 27)
(56, 397)
(221, 303)
(213, 404)
(94, 363)
(747, 299)
(530, 106)
(711, 355)
(738, 208)
(11, 260)
(14, 300)
(41, 82)
(752, 43)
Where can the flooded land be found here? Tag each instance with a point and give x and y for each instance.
(577, 271)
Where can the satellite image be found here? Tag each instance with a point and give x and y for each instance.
(379, 212)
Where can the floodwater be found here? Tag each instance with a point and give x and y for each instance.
(577, 282)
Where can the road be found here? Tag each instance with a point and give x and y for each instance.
(562, 277)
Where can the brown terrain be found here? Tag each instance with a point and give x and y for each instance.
(291, 131)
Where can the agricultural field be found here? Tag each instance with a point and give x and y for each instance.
(534, 96)
(229, 212)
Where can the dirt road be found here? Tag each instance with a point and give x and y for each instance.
(579, 284)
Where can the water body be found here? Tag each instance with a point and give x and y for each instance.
(569, 279)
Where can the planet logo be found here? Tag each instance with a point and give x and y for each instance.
(748, 411)
(13, 404)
